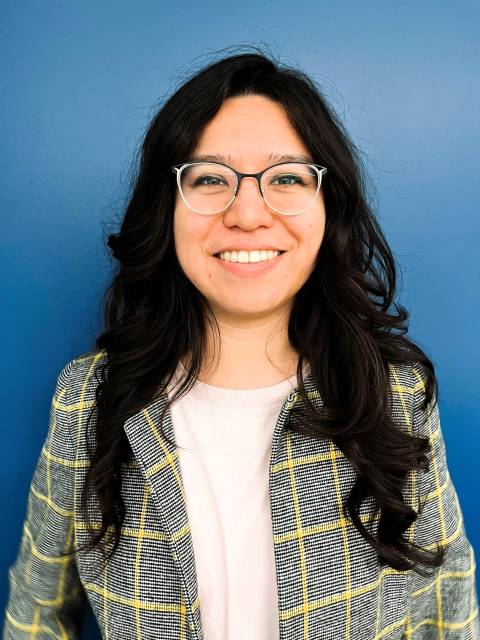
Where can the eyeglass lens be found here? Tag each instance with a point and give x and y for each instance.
(288, 188)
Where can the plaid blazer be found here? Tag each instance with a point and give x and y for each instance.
(330, 584)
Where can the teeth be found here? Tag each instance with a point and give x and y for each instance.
(248, 256)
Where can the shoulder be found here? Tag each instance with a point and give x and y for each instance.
(75, 399)
(407, 382)
(402, 379)
(78, 378)
(409, 375)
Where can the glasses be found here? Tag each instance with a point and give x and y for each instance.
(289, 188)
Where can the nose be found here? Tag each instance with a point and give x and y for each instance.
(249, 209)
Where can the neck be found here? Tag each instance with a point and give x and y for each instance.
(250, 355)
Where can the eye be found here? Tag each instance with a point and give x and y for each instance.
(296, 179)
(201, 180)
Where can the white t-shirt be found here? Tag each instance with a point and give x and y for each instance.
(228, 433)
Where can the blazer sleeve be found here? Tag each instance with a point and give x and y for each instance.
(445, 605)
(46, 598)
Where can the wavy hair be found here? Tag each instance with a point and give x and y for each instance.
(343, 322)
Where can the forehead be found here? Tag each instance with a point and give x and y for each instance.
(250, 128)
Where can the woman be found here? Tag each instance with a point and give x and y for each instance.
(253, 449)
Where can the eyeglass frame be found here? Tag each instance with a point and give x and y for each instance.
(258, 176)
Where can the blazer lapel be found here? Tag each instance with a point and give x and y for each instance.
(159, 464)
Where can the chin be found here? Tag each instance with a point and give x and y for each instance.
(257, 308)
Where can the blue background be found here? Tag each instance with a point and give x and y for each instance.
(79, 85)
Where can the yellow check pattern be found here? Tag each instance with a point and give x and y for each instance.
(329, 582)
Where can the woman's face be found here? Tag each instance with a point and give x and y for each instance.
(248, 129)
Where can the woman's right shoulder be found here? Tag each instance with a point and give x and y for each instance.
(80, 376)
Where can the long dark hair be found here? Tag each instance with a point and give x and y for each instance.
(343, 321)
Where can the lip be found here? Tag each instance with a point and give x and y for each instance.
(250, 269)
(240, 247)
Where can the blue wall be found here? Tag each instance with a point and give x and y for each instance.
(79, 84)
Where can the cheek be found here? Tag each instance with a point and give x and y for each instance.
(187, 238)
(313, 238)
(190, 237)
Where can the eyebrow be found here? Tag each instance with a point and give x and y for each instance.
(278, 157)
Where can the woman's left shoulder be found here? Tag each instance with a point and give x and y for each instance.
(407, 374)
(406, 384)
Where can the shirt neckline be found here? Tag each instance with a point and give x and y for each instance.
(259, 400)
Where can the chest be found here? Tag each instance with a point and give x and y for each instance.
(327, 577)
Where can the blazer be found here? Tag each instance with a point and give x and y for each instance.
(329, 581)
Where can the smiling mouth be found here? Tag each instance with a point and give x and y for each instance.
(279, 253)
